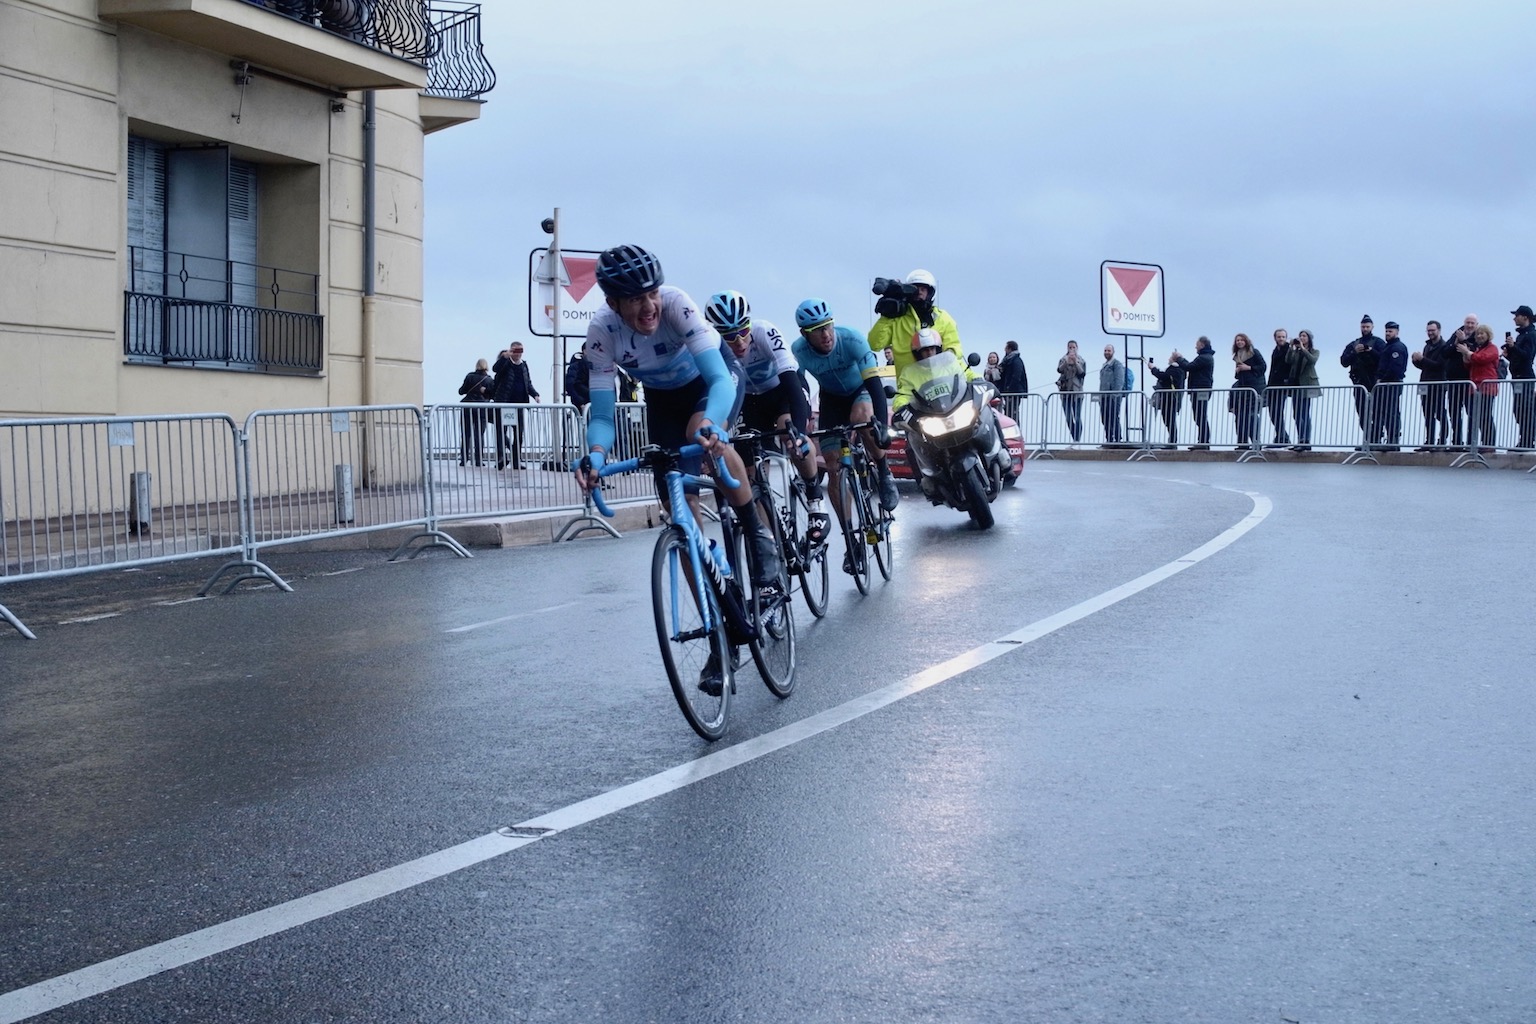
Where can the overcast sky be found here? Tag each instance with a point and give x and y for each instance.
(1292, 164)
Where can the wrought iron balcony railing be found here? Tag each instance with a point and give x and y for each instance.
(457, 68)
(188, 309)
(400, 27)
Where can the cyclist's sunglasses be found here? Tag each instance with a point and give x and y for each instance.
(737, 335)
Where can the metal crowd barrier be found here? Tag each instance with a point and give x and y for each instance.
(1091, 419)
(81, 495)
(494, 460)
(311, 473)
(1026, 410)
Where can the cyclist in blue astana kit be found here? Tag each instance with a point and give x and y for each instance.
(852, 390)
(655, 333)
(774, 395)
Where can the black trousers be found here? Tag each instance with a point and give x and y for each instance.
(503, 441)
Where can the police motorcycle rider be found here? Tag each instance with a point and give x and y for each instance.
(952, 431)
(774, 396)
(693, 388)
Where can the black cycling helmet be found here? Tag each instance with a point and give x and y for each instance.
(628, 270)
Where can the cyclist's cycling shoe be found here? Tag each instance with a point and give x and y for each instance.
(816, 526)
(712, 680)
(889, 496)
(848, 564)
(768, 557)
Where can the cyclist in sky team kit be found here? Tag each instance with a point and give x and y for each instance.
(774, 395)
(852, 391)
(655, 333)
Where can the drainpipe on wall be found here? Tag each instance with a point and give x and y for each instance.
(369, 171)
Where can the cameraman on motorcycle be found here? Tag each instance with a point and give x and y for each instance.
(911, 308)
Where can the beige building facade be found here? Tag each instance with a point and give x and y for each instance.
(183, 199)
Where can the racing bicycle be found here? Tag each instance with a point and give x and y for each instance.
(705, 605)
(866, 526)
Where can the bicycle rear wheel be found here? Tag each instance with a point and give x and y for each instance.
(691, 632)
(810, 560)
(774, 649)
(853, 529)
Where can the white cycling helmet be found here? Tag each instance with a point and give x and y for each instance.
(923, 277)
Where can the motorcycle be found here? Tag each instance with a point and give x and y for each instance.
(953, 437)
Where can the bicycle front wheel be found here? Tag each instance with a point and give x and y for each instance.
(691, 633)
(877, 527)
(774, 648)
(854, 541)
(811, 559)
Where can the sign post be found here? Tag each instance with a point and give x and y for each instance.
(1131, 305)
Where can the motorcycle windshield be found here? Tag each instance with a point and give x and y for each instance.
(938, 382)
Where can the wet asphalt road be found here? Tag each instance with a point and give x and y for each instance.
(1293, 781)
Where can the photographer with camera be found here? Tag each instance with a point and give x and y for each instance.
(1302, 362)
(1361, 358)
(904, 308)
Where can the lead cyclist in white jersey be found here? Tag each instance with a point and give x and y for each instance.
(656, 334)
(775, 397)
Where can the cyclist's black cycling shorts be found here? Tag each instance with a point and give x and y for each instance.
(762, 412)
(834, 412)
(668, 410)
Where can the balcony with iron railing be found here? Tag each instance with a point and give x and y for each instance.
(340, 44)
(199, 311)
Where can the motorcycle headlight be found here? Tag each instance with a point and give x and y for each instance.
(938, 426)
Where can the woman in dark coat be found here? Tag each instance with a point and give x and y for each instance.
(1247, 389)
(476, 389)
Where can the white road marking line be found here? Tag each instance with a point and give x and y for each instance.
(184, 600)
(89, 618)
(509, 618)
(111, 974)
(343, 572)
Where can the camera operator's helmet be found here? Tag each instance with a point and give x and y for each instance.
(628, 270)
(811, 314)
(923, 277)
(728, 311)
(925, 338)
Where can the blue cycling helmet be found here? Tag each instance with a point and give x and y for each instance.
(628, 270)
(728, 311)
(811, 314)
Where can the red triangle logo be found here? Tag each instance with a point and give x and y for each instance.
(1132, 281)
(583, 274)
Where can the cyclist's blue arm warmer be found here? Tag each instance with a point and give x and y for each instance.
(600, 423)
(722, 389)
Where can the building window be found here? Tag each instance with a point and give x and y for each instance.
(197, 291)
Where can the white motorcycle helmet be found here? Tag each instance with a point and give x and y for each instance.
(923, 277)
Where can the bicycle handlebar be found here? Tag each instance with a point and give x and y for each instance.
(630, 465)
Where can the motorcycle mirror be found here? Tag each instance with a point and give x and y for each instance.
(973, 359)
(890, 392)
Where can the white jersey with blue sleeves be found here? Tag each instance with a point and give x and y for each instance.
(661, 360)
(766, 358)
